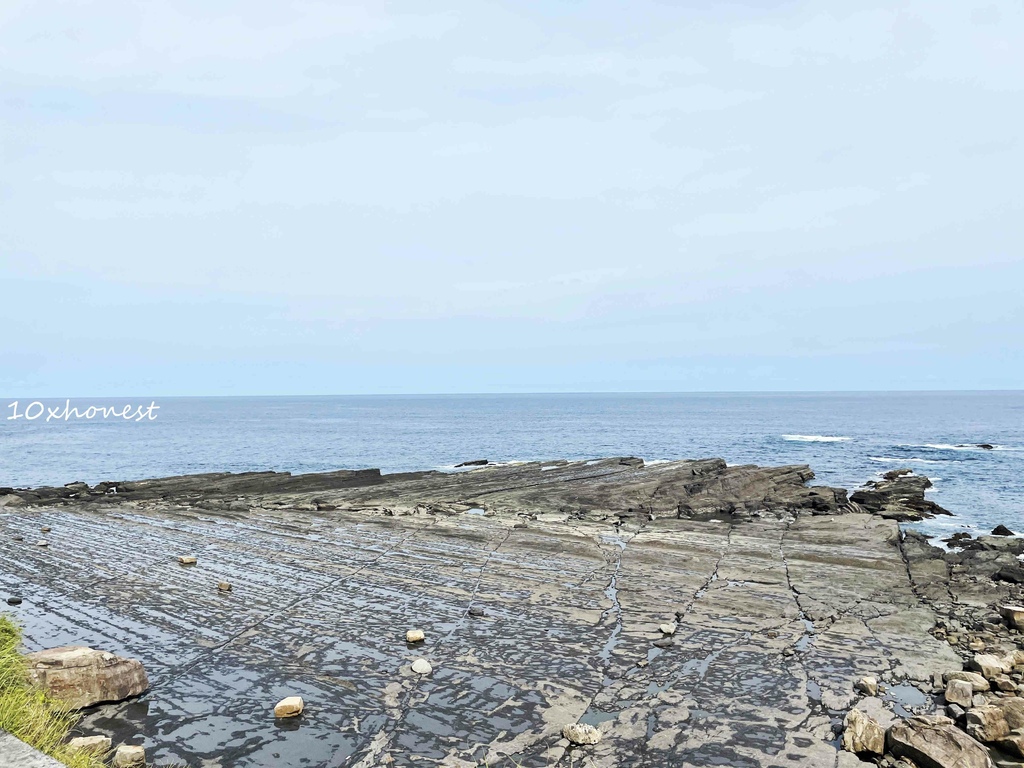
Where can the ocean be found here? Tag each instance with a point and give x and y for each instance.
(847, 438)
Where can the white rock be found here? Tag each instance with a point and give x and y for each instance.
(867, 686)
(581, 733)
(187, 560)
(289, 707)
(129, 756)
(422, 667)
(667, 629)
(414, 636)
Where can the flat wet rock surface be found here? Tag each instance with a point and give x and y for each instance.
(540, 588)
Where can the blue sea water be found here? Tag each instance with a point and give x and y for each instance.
(847, 438)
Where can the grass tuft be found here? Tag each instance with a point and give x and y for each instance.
(27, 712)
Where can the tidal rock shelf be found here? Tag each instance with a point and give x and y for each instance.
(542, 590)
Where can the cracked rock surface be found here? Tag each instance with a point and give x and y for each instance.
(541, 589)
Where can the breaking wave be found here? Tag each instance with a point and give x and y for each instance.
(815, 439)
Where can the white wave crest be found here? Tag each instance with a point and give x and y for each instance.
(895, 460)
(815, 439)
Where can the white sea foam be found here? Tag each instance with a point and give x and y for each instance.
(896, 460)
(815, 439)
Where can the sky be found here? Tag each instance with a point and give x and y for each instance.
(269, 197)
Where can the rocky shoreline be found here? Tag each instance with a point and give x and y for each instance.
(595, 613)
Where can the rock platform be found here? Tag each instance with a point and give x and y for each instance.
(541, 589)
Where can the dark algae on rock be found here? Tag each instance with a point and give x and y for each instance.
(689, 613)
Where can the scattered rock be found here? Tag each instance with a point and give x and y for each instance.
(224, 587)
(868, 686)
(1013, 574)
(414, 636)
(987, 723)
(473, 463)
(978, 683)
(42, 543)
(861, 734)
(90, 745)
(81, 677)
(14, 601)
(989, 666)
(519, 525)
(129, 756)
(46, 529)
(1014, 615)
(476, 611)
(668, 629)
(986, 446)
(422, 667)
(935, 742)
(291, 706)
(959, 692)
(187, 560)
(665, 642)
(18, 538)
(581, 734)
(1001, 530)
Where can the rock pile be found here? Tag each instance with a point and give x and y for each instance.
(984, 713)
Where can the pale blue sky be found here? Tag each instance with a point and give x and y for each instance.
(308, 198)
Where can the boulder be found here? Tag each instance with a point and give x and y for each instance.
(978, 683)
(187, 560)
(42, 543)
(867, 685)
(861, 734)
(959, 692)
(129, 756)
(1001, 530)
(422, 667)
(1014, 615)
(291, 706)
(1013, 744)
(414, 636)
(1013, 574)
(223, 587)
(989, 666)
(473, 463)
(80, 677)
(987, 723)
(581, 733)
(935, 742)
(89, 745)
(667, 629)
(1013, 711)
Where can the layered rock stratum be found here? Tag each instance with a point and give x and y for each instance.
(543, 590)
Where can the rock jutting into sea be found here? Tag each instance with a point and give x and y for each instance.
(590, 613)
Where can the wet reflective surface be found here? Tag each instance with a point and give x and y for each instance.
(775, 619)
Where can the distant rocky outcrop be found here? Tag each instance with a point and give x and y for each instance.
(899, 495)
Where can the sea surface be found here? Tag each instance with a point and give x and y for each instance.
(847, 438)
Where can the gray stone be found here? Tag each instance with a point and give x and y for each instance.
(581, 733)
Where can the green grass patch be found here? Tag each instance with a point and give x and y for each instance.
(27, 712)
